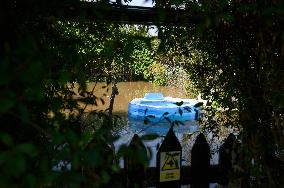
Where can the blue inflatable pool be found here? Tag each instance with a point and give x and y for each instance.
(156, 108)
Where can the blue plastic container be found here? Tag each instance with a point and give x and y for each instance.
(156, 108)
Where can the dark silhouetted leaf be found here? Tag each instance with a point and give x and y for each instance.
(103, 102)
(187, 108)
(198, 104)
(146, 110)
(168, 119)
(179, 122)
(7, 139)
(146, 121)
(180, 111)
(123, 149)
(166, 113)
(150, 116)
(179, 103)
(149, 137)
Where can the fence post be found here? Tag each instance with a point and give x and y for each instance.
(200, 163)
(226, 158)
(135, 163)
(169, 162)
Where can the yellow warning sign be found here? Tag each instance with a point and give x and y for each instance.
(170, 166)
(171, 162)
(169, 176)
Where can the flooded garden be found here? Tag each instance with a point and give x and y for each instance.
(126, 128)
(128, 91)
(57, 110)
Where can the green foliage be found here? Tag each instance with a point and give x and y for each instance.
(158, 73)
(233, 56)
(141, 59)
(42, 60)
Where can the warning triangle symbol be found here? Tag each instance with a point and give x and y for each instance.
(170, 163)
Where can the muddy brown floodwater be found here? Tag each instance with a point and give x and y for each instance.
(127, 92)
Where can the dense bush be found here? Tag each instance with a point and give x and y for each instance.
(43, 141)
(235, 58)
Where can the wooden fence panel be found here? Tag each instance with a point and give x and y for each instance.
(200, 163)
(135, 163)
(226, 158)
(169, 162)
(169, 171)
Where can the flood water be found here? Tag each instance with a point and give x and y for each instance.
(130, 90)
(127, 92)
